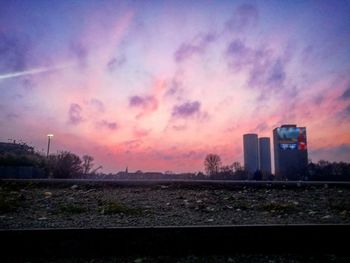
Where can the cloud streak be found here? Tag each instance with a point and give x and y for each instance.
(34, 71)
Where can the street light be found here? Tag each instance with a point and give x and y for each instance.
(49, 136)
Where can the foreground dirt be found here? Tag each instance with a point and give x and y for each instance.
(35, 206)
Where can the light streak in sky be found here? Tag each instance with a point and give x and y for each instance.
(33, 71)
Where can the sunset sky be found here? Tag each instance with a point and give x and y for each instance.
(157, 85)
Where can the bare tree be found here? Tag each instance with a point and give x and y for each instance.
(212, 164)
(237, 166)
(239, 172)
(87, 164)
(96, 169)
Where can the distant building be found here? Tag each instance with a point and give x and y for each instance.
(12, 166)
(290, 149)
(265, 155)
(251, 156)
(16, 148)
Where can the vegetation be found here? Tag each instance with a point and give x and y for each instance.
(321, 171)
(328, 171)
(69, 165)
(215, 171)
(87, 164)
(22, 159)
(61, 165)
(212, 164)
(65, 165)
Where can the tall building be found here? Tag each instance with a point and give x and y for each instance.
(290, 149)
(264, 155)
(251, 156)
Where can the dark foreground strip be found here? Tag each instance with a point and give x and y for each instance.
(203, 240)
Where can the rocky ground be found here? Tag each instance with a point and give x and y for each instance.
(56, 206)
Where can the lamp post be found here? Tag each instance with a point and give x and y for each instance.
(49, 136)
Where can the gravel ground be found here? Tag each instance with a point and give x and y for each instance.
(56, 206)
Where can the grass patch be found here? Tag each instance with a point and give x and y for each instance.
(113, 207)
(72, 209)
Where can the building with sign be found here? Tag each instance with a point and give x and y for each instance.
(290, 150)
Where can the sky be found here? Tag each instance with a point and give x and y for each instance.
(158, 85)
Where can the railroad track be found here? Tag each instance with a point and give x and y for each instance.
(185, 240)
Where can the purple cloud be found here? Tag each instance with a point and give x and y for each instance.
(116, 62)
(243, 17)
(174, 87)
(143, 102)
(239, 55)
(193, 155)
(179, 127)
(74, 114)
(186, 109)
(141, 132)
(343, 116)
(197, 46)
(136, 101)
(261, 127)
(147, 104)
(265, 71)
(237, 47)
(108, 125)
(163, 155)
(98, 105)
(346, 94)
(276, 75)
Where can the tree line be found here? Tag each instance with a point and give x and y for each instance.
(64, 164)
(320, 171)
